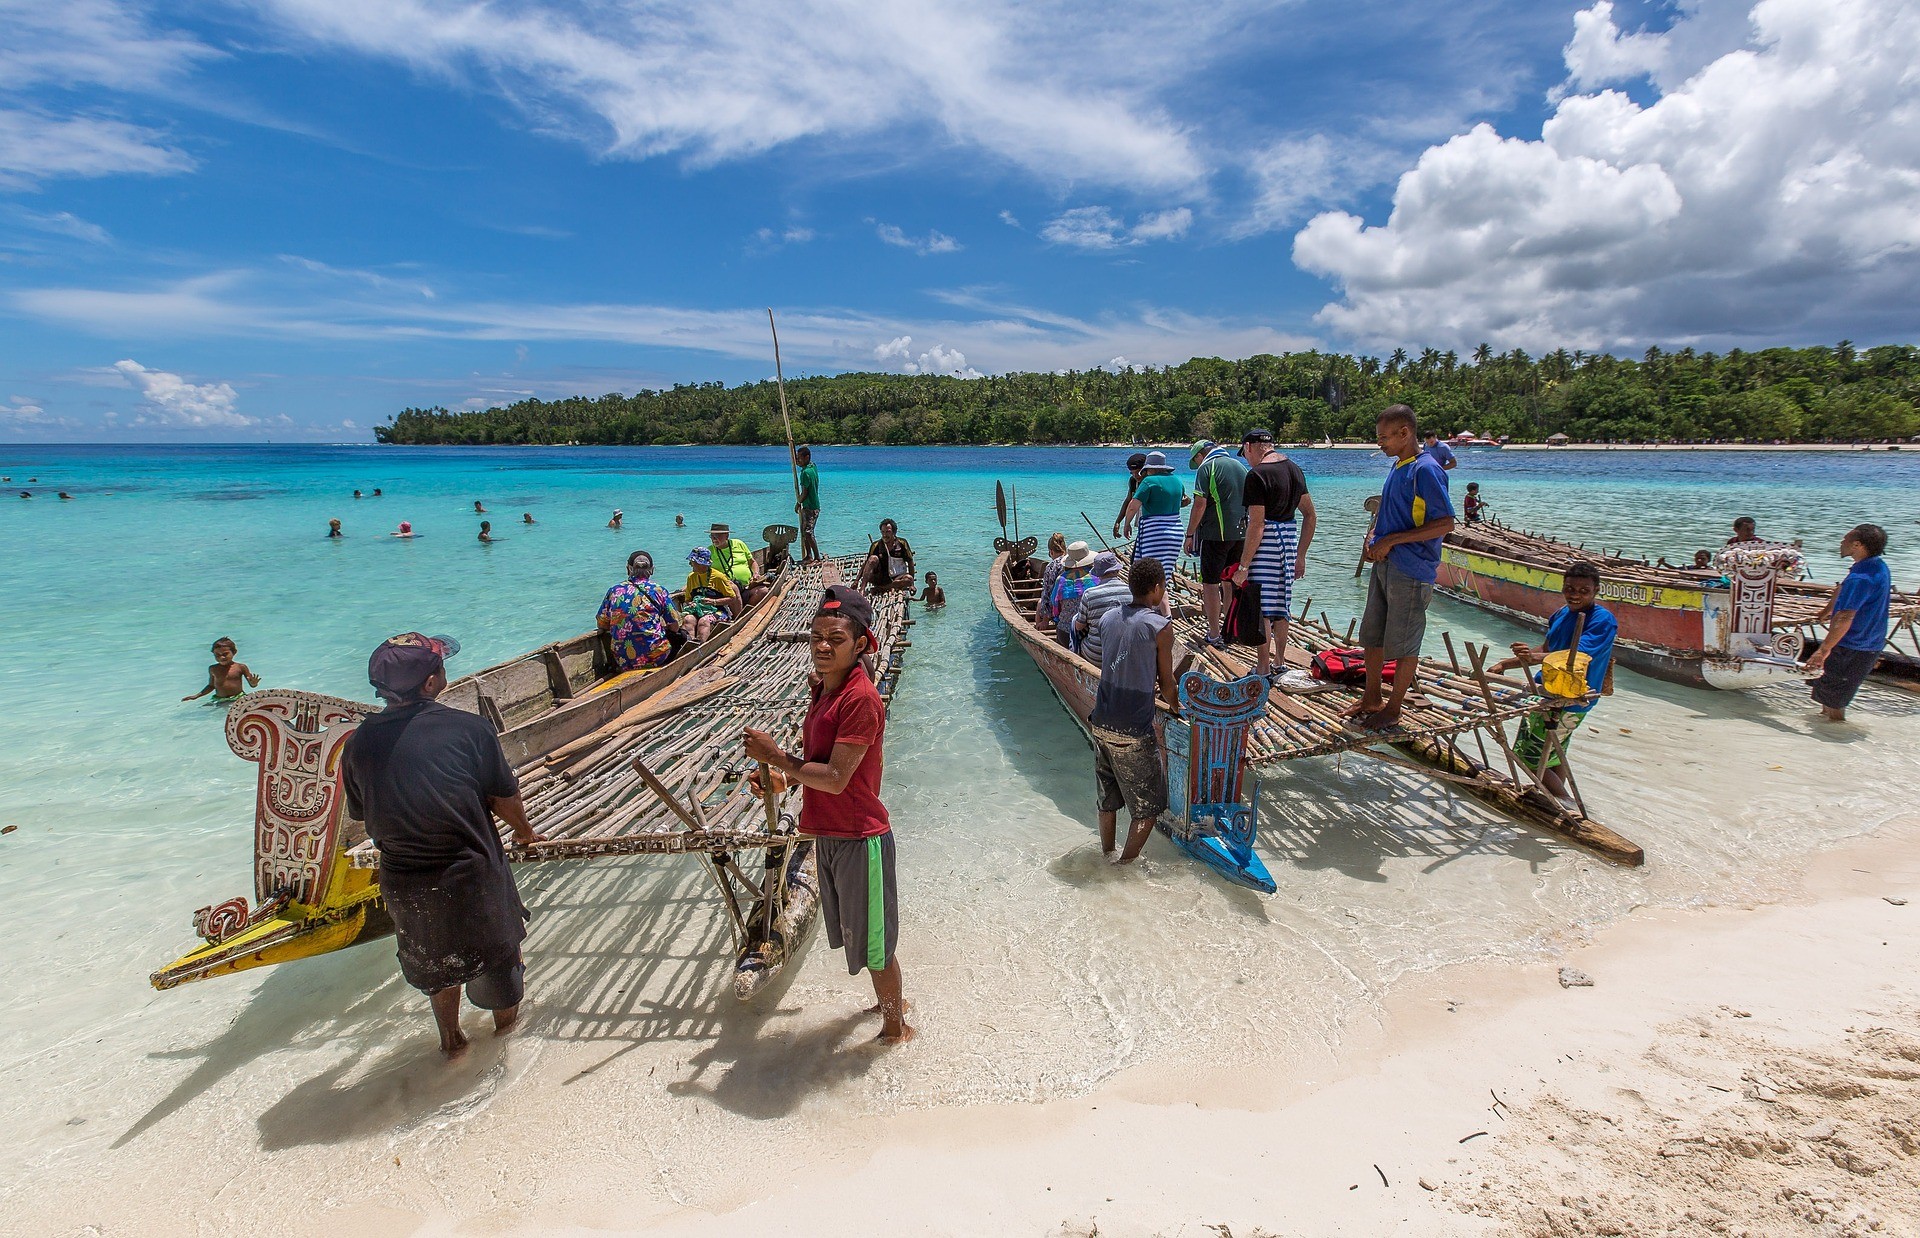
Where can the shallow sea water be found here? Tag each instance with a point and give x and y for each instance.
(1037, 972)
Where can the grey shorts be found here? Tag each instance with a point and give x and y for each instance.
(1127, 769)
(808, 518)
(858, 899)
(1396, 616)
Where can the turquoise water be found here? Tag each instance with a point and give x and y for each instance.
(1038, 972)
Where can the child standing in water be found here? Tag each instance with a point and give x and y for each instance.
(933, 595)
(226, 678)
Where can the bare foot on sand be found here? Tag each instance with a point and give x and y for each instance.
(899, 1036)
(453, 1044)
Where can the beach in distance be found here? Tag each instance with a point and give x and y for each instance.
(1442, 1022)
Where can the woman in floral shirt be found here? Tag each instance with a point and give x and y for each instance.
(637, 615)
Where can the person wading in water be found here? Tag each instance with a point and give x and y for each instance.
(428, 780)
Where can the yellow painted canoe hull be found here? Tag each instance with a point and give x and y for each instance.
(356, 916)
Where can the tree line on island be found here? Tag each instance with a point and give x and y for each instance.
(1817, 394)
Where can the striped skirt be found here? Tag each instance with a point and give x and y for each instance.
(1162, 538)
(1272, 567)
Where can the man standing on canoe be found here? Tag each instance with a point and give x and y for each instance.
(1136, 665)
(809, 505)
(1415, 518)
(1274, 554)
(1216, 525)
(838, 769)
(428, 780)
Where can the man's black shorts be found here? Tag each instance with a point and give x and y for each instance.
(1215, 556)
(1845, 671)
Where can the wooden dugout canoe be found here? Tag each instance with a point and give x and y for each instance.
(307, 899)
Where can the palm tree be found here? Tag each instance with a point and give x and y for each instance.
(1482, 354)
(1397, 360)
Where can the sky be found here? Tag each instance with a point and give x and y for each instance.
(289, 219)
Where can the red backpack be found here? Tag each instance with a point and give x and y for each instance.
(1346, 666)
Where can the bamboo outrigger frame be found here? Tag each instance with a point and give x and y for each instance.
(1453, 703)
(663, 776)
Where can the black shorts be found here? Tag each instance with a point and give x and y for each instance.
(1845, 671)
(1215, 556)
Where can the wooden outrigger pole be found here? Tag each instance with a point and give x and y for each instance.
(780, 381)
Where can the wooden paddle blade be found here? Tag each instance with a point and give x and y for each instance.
(1373, 503)
(1000, 504)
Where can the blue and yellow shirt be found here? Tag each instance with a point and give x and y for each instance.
(1867, 592)
(1597, 635)
(1414, 495)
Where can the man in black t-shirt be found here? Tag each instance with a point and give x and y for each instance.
(1274, 554)
(1136, 463)
(428, 780)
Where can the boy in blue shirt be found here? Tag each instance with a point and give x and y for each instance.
(1547, 731)
(1415, 517)
(1856, 622)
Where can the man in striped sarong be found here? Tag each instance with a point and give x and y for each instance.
(1280, 522)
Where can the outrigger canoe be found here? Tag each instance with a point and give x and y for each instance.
(317, 890)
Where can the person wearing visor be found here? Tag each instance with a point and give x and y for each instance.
(428, 781)
(838, 769)
(639, 618)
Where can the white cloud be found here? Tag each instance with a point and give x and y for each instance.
(36, 146)
(290, 302)
(173, 401)
(1098, 227)
(773, 238)
(936, 360)
(934, 242)
(1010, 219)
(689, 77)
(66, 223)
(21, 408)
(1774, 192)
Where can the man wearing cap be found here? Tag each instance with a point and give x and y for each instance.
(838, 769)
(428, 780)
(1216, 525)
(1110, 589)
(1135, 463)
(1275, 553)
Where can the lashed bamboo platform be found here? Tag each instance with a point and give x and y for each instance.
(590, 799)
(1453, 703)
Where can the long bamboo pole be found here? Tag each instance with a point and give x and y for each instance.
(780, 381)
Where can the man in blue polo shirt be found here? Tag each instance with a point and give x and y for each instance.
(1856, 621)
(1415, 517)
(1441, 453)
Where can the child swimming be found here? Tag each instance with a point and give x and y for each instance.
(226, 678)
(526, 517)
(333, 529)
(933, 596)
(486, 530)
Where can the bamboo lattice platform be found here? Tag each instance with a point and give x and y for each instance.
(601, 795)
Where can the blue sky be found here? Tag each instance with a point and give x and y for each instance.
(291, 218)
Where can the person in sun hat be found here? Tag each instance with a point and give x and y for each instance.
(1110, 589)
(1156, 503)
(1063, 604)
(838, 769)
(732, 559)
(1135, 462)
(428, 781)
(712, 598)
(1216, 526)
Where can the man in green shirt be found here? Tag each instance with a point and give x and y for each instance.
(809, 505)
(1217, 525)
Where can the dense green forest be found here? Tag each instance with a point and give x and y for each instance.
(1815, 394)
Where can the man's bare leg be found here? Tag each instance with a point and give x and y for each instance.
(1137, 833)
(503, 1020)
(1830, 714)
(1405, 671)
(446, 1014)
(1211, 601)
(1109, 822)
(888, 986)
(1277, 637)
(1369, 701)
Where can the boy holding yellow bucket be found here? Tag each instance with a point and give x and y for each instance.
(1576, 669)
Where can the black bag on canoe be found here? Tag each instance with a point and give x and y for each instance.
(1242, 624)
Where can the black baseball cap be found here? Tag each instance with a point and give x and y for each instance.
(1257, 435)
(1137, 460)
(402, 663)
(847, 603)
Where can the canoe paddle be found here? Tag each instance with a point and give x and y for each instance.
(1373, 518)
(1000, 506)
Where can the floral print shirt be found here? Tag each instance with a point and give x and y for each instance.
(636, 613)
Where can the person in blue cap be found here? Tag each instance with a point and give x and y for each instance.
(429, 780)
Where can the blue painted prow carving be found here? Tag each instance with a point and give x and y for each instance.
(1206, 770)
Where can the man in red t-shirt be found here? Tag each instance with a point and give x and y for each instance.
(838, 771)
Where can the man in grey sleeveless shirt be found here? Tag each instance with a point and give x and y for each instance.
(1136, 665)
